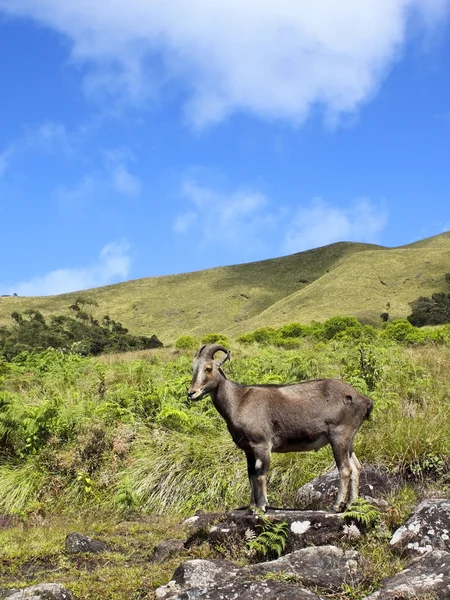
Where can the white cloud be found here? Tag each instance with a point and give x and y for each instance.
(246, 220)
(49, 135)
(5, 158)
(79, 195)
(113, 176)
(274, 59)
(185, 222)
(112, 265)
(238, 219)
(320, 224)
(124, 182)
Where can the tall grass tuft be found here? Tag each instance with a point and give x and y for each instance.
(21, 487)
(182, 473)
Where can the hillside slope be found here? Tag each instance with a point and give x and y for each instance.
(364, 285)
(344, 278)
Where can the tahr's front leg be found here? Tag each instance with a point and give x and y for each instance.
(258, 467)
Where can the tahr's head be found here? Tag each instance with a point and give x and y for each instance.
(206, 371)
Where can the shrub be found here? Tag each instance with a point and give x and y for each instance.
(369, 333)
(401, 330)
(353, 332)
(215, 338)
(293, 330)
(398, 330)
(336, 325)
(430, 311)
(265, 335)
(186, 342)
(288, 342)
(246, 338)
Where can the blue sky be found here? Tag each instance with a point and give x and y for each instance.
(146, 138)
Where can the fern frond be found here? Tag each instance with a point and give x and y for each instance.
(272, 540)
(363, 512)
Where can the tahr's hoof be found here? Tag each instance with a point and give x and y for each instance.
(255, 510)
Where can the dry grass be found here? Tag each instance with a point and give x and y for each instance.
(344, 278)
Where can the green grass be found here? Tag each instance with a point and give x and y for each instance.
(344, 278)
(111, 447)
(119, 432)
(34, 552)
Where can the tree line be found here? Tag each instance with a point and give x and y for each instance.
(81, 333)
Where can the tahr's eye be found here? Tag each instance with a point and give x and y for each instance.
(208, 369)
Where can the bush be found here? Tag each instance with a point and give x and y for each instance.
(401, 330)
(186, 342)
(398, 330)
(336, 325)
(265, 335)
(430, 311)
(215, 338)
(293, 330)
(349, 333)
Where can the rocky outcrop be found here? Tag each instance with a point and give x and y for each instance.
(326, 567)
(238, 588)
(427, 529)
(44, 591)
(319, 494)
(198, 575)
(316, 569)
(304, 528)
(76, 542)
(322, 567)
(427, 577)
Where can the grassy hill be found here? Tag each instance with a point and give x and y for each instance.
(345, 278)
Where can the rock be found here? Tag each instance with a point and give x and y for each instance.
(76, 542)
(427, 529)
(220, 579)
(165, 549)
(203, 573)
(305, 528)
(196, 574)
(44, 591)
(247, 589)
(425, 577)
(202, 520)
(320, 493)
(7, 521)
(325, 567)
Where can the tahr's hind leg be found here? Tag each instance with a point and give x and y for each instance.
(341, 452)
(354, 477)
